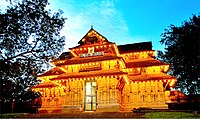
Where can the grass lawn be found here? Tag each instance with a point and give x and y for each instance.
(152, 115)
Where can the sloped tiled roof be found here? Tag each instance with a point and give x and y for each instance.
(54, 71)
(89, 59)
(81, 43)
(145, 63)
(65, 55)
(145, 77)
(135, 47)
(45, 84)
(91, 73)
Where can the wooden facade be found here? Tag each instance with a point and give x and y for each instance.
(98, 75)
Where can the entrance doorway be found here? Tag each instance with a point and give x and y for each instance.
(90, 96)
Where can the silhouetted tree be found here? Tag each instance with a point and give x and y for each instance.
(29, 38)
(182, 52)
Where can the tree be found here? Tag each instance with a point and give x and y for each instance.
(29, 37)
(182, 52)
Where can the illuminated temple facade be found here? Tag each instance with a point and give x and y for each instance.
(98, 75)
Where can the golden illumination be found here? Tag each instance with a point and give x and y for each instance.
(126, 79)
(172, 83)
(168, 81)
(63, 69)
(116, 49)
(166, 68)
(122, 64)
(73, 53)
(114, 81)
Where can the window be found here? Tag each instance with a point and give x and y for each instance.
(91, 50)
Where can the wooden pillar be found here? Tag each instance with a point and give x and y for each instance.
(50, 89)
(54, 91)
(45, 92)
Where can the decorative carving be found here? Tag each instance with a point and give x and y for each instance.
(91, 40)
(90, 67)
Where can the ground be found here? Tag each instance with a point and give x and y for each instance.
(85, 115)
(147, 115)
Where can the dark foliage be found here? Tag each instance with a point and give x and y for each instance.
(29, 38)
(182, 52)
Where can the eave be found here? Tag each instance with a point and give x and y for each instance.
(87, 60)
(55, 71)
(45, 85)
(145, 63)
(89, 74)
(152, 77)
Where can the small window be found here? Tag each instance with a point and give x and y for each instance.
(91, 50)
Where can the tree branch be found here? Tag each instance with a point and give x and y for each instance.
(35, 45)
(21, 54)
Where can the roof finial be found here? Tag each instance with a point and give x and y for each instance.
(91, 26)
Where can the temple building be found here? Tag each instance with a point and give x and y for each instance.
(99, 75)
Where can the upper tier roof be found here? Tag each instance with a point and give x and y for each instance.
(122, 49)
(145, 63)
(54, 71)
(135, 47)
(91, 73)
(44, 85)
(92, 36)
(90, 59)
(146, 77)
(65, 55)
